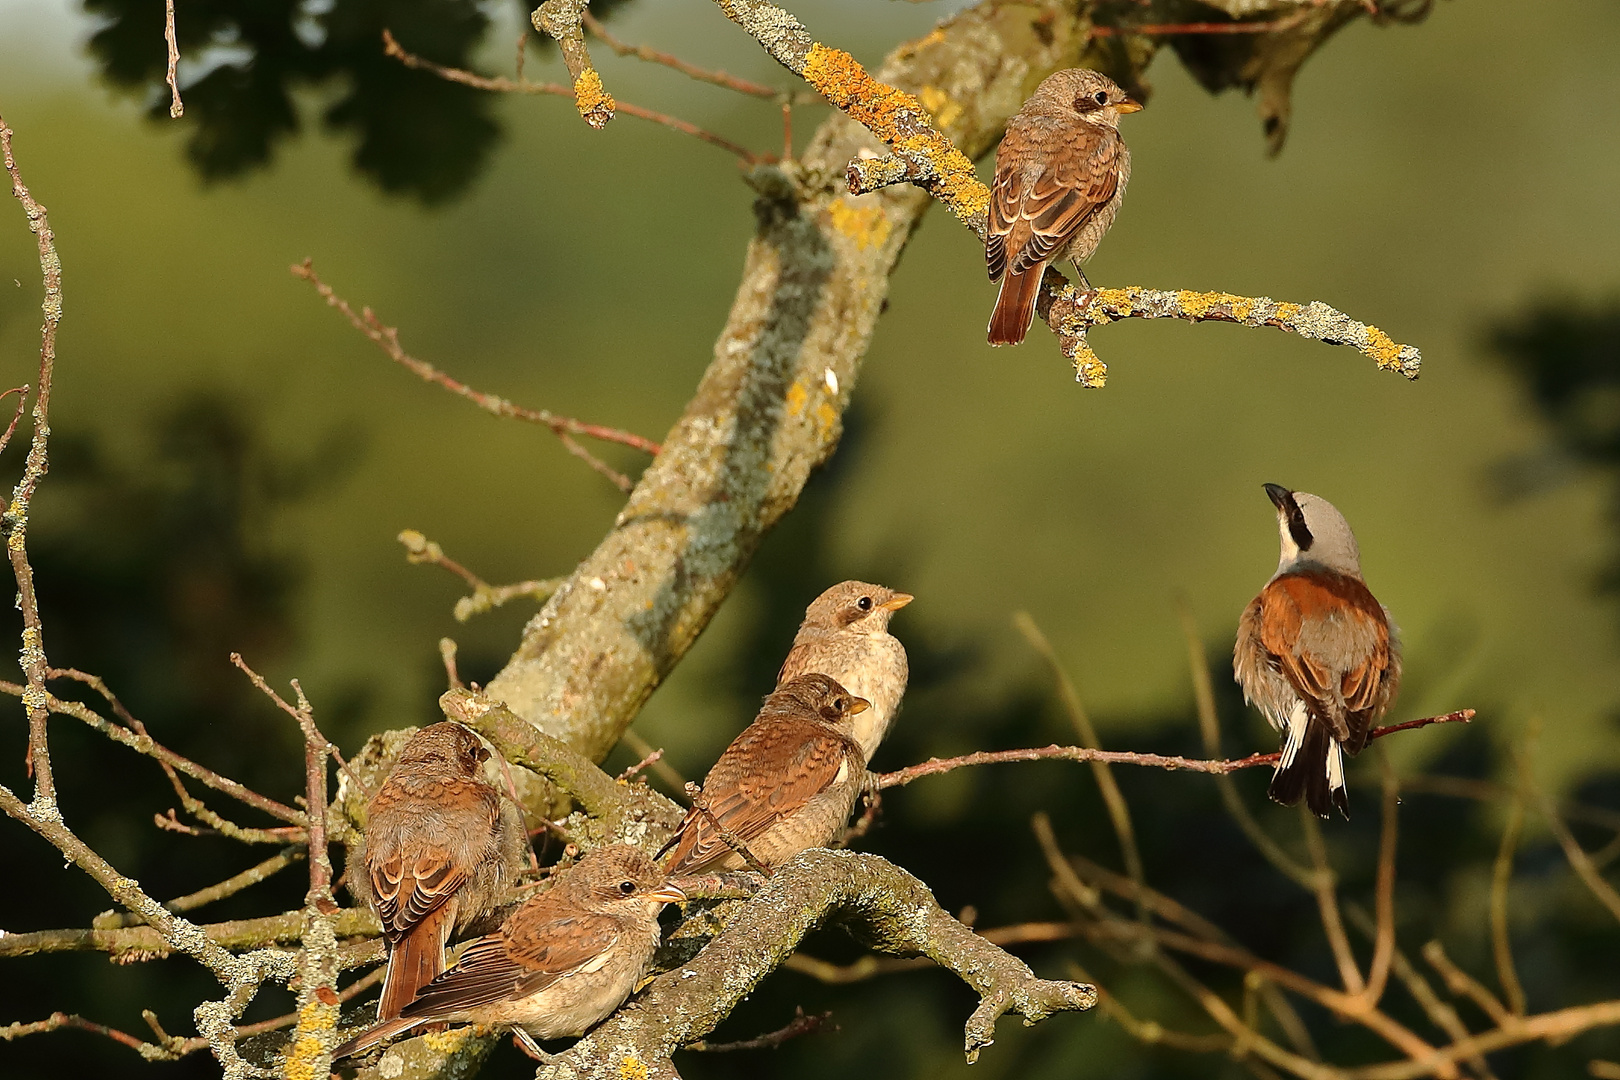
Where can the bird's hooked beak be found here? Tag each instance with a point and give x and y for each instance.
(896, 602)
(858, 705)
(1129, 105)
(1280, 496)
(669, 894)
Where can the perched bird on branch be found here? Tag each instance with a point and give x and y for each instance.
(1061, 172)
(440, 844)
(787, 783)
(560, 963)
(845, 635)
(1316, 652)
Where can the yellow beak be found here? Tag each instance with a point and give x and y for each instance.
(897, 601)
(669, 894)
(858, 705)
(1129, 106)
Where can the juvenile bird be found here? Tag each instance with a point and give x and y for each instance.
(1316, 652)
(845, 635)
(440, 844)
(561, 962)
(1061, 172)
(787, 783)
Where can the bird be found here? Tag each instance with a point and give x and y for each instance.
(1316, 652)
(561, 962)
(845, 635)
(440, 845)
(787, 783)
(1060, 176)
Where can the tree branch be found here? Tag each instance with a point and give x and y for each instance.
(888, 907)
(561, 20)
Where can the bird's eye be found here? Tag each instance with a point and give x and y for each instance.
(864, 603)
(839, 703)
(627, 887)
(1100, 97)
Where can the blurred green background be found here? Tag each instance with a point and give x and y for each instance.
(232, 462)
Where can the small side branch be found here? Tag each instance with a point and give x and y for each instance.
(933, 766)
(801, 1024)
(561, 19)
(485, 597)
(387, 339)
(669, 60)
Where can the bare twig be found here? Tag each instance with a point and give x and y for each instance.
(387, 339)
(22, 406)
(652, 758)
(522, 86)
(177, 107)
(1325, 890)
(934, 766)
(129, 944)
(1507, 975)
(33, 661)
(485, 597)
(661, 768)
(1271, 26)
(799, 1025)
(701, 804)
(1384, 896)
(669, 60)
(229, 887)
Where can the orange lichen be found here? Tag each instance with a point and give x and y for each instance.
(795, 399)
(595, 104)
(1382, 349)
(865, 225)
(1285, 312)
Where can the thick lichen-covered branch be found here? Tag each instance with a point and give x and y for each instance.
(1071, 313)
(882, 904)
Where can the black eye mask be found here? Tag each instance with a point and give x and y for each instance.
(1297, 527)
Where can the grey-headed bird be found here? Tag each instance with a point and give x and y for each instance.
(1316, 652)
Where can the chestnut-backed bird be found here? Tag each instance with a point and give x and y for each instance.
(787, 783)
(845, 635)
(440, 844)
(1060, 176)
(562, 961)
(1316, 652)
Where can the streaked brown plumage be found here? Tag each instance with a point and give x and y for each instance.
(845, 635)
(439, 845)
(563, 961)
(1316, 652)
(1060, 176)
(787, 783)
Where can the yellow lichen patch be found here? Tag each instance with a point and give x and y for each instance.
(865, 225)
(1242, 308)
(632, 1068)
(447, 1042)
(826, 419)
(306, 1046)
(939, 104)
(1382, 349)
(595, 104)
(841, 79)
(797, 395)
(1286, 312)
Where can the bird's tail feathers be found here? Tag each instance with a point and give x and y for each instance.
(416, 960)
(381, 1033)
(1015, 305)
(1312, 767)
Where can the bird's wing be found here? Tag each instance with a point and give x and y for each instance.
(768, 773)
(1035, 214)
(415, 867)
(539, 944)
(1358, 679)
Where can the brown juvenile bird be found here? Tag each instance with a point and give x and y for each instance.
(845, 634)
(1316, 652)
(560, 963)
(787, 783)
(440, 844)
(1061, 172)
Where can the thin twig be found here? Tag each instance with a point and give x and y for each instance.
(306, 724)
(177, 107)
(1119, 813)
(934, 766)
(652, 758)
(561, 20)
(229, 887)
(501, 85)
(732, 841)
(1384, 895)
(661, 768)
(669, 60)
(387, 338)
(15, 524)
(485, 597)
(1327, 905)
(1459, 981)
(1195, 28)
(22, 406)
(1507, 975)
(799, 1025)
